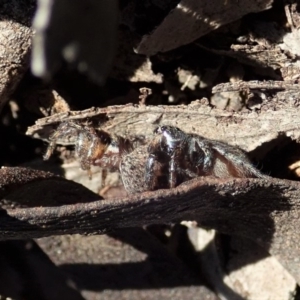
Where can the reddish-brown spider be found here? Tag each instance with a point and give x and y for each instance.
(90, 144)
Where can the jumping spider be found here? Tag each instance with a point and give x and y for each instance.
(175, 156)
(170, 158)
(90, 144)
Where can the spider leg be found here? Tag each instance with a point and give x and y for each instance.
(183, 175)
(205, 154)
(109, 161)
(63, 130)
(174, 167)
(156, 164)
(150, 176)
(50, 149)
(151, 163)
(172, 171)
(81, 151)
(52, 144)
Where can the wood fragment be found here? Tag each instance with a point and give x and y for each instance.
(265, 211)
(192, 19)
(246, 129)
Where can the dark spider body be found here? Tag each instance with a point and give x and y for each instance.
(186, 156)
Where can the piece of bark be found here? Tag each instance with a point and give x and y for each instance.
(265, 211)
(192, 19)
(42, 189)
(256, 85)
(293, 15)
(259, 47)
(261, 56)
(246, 129)
(291, 43)
(267, 48)
(231, 101)
(15, 42)
(43, 101)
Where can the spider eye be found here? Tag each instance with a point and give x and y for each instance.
(161, 129)
(158, 129)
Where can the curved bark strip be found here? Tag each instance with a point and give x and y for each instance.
(266, 211)
(246, 129)
(21, 187)
(192, 19)
(255, 85)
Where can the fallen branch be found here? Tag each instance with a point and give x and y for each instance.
(265, 211)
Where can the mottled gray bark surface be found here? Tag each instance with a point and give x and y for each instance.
(15, 43)
(247, 129)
